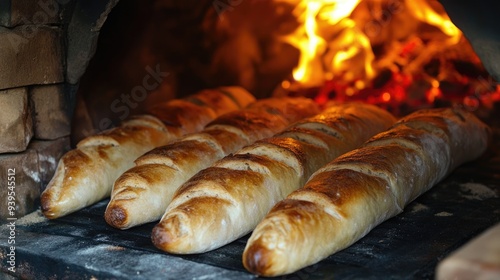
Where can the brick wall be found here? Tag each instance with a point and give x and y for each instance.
(36, 98)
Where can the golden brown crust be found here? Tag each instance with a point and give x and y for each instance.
(295, 108)
(174, 115)
(310, 156)
(180, 154)
(255, 124)
(182, 159)
(86, 174)
(213, 99)
(83, 173)
(228, 139)
(176, 221)
(238, 95)
(349, 196)
(194, 204)
(451, 124)
(298, 225)
(116, 214)
(203, 107)
(283, 162)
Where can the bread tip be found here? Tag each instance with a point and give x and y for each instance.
(167, 235)
(116, 216)
(47, 207)
(256, 259)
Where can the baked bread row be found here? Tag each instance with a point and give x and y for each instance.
(354, 193)
(227, 200)
(143, 192)
(86, 174)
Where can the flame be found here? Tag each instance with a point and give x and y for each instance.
(313, 14)
(425, 13)
(353, 56)
(434, 92)
(333, 46)
(311, 46)
(416, 46)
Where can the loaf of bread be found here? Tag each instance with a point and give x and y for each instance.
(348, 197)
(86, 174)
(227, 200)
(143, 193)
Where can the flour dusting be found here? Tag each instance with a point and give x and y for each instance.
(443, 214)
(115, 248)
(32, 218)
(98, 249)
(474, 191)
(417, 207)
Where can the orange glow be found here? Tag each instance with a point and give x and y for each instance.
(386, 97)
(433, 93)
(333, 44)
(424, 12)
(359, 85)
(397, 54)
(472, 103)
(349, 92)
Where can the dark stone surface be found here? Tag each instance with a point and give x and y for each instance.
(408, 246)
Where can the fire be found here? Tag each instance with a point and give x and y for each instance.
(311, 46)
(321, 57)
(395, 53)
(434, 92)
(334, 46)
(424, 12)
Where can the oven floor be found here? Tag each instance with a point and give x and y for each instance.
(409, 246)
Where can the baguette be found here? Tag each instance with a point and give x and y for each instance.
(142, 193)
(86, 174)
(354, 193)
(227, 200)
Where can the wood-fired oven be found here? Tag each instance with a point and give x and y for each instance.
(72, 68)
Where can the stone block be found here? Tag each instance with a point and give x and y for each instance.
(51, 116)
(49, 153)
(20, 179)
(16, 125)
(28, 12)
(31, 55)
(27, 174)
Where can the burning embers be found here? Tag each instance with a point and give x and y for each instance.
(400, 54)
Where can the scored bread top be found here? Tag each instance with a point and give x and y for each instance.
(243, 187)
(345, 199)
(175, 163)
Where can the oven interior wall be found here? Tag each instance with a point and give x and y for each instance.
(195, 45)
